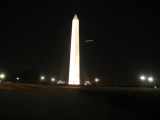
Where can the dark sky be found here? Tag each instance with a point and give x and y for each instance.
(35, 36)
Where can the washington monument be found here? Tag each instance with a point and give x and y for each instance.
(74, 65)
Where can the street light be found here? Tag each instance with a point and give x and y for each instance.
(2, 76)
(53, 79)
(142, 77)
(96, 80)
(150, 79)
(42, 78)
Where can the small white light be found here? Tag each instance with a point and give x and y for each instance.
(17, 78)
(42, 77)
(2, 76)
(142, 78)
(155, 86)
(87, 83)
(96, 80)
(53, 79)
(150, 79)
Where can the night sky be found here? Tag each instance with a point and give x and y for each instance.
(35, 37)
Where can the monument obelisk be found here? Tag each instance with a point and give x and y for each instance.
(74, 65)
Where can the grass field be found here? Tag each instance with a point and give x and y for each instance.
(26, 102)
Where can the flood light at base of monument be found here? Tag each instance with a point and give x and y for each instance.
(60, 82)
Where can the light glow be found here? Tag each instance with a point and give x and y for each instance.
(74, 66)
(86, 83)
(155, 86)
(150, 79)
(17, 78)
(142, 78)
(96, 80)
(42, 78)
(60, 82)
(2, 76)
(53, 79)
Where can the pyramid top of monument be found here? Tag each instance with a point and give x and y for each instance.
(75, 16)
